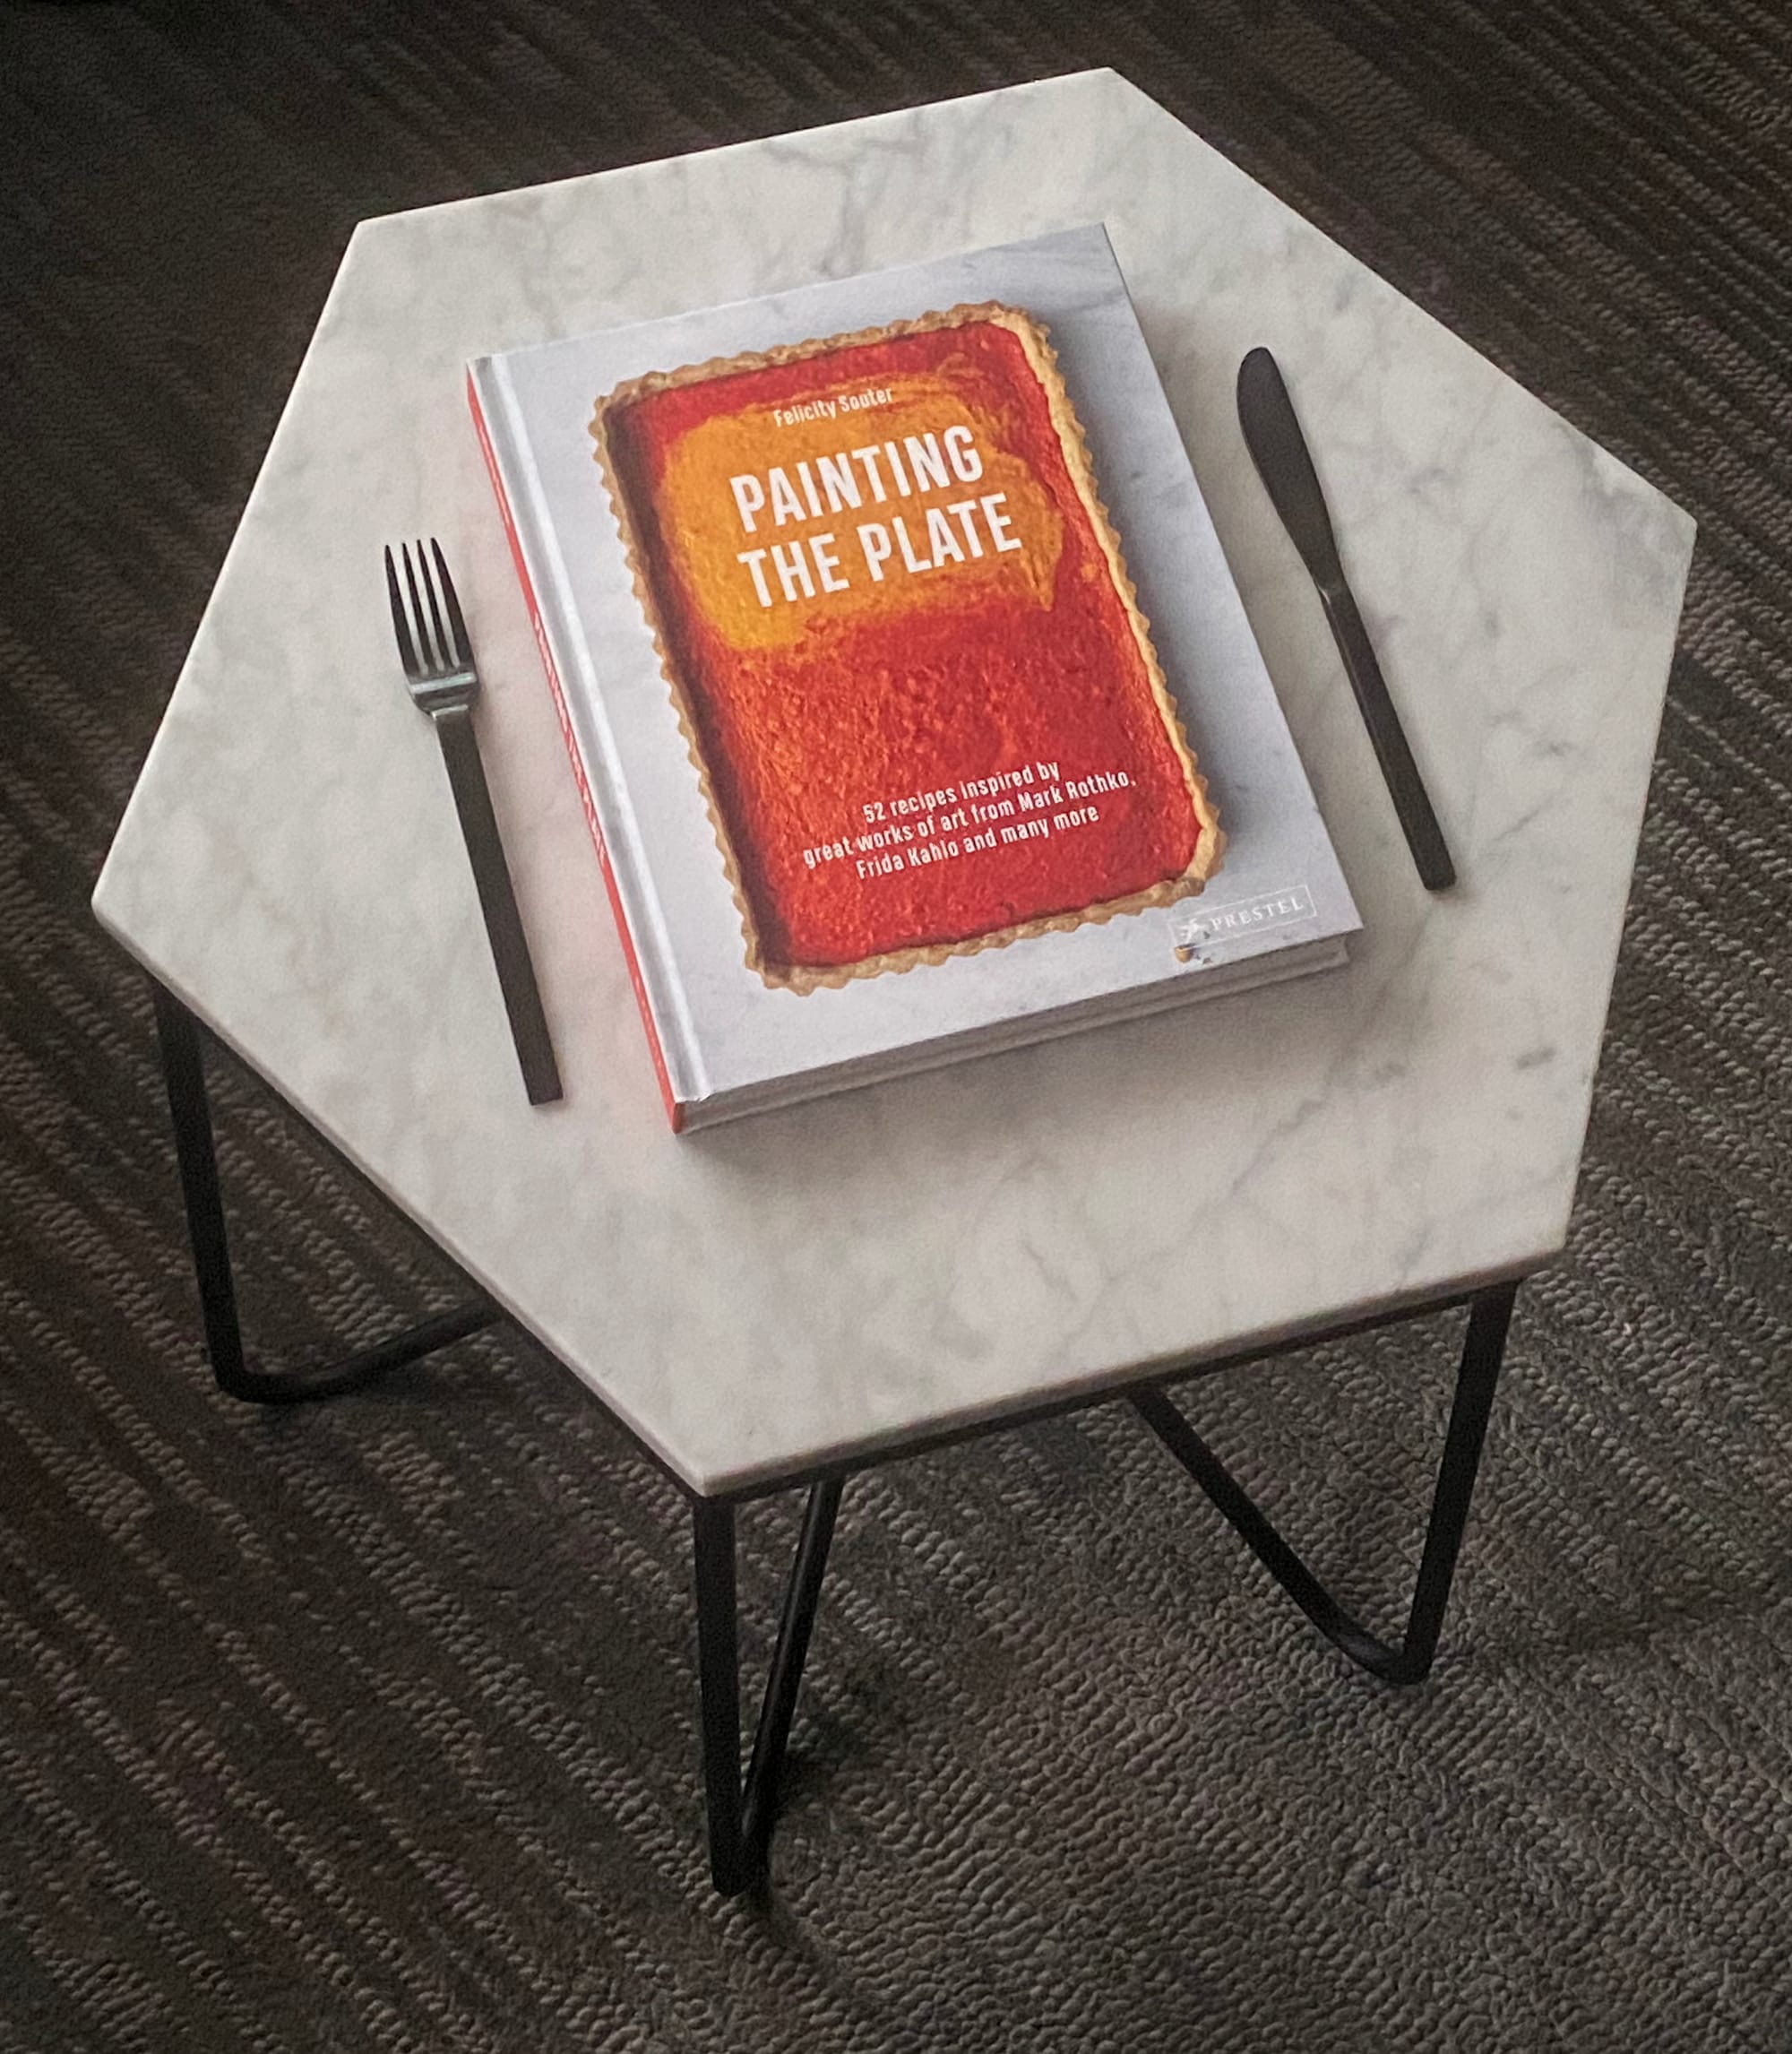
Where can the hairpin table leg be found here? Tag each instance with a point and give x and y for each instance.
(1409, 1661)
(184, 1068)
(741, 1817)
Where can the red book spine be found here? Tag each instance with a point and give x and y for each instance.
(675, 1112)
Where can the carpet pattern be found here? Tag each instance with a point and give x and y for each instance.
(371, 1727)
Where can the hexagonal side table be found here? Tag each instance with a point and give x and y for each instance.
(789, 1299)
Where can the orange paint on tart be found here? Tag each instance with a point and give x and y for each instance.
(917, 690)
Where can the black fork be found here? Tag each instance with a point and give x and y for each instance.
(437, 655)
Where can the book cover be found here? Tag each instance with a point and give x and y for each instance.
(896, 655)
(886, 594)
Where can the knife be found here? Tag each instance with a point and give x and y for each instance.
(1284, 464)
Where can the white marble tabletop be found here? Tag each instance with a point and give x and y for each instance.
(867, 1270)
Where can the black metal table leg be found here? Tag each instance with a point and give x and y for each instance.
(184, 1068)
(1409, 1661)
(740, 1818)
(741, 1810)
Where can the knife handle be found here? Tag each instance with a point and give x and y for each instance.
(1424, 836)
(497, 902)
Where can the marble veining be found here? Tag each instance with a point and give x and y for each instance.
(864, 1270)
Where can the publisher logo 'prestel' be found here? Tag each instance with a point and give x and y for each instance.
(1205, 928)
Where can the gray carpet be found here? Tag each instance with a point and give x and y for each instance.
(371, 1728)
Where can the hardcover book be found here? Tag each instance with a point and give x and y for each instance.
(913, 707)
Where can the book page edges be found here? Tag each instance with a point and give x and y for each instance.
(490, 412)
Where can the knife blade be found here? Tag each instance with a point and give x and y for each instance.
(1272, 434)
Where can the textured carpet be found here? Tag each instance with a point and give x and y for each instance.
(371, 1727)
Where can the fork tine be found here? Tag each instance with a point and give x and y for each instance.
(406, 646)
(449, 654)
(451, 599)
(427, 660)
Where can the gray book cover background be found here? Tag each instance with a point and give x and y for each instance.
(730, 1042)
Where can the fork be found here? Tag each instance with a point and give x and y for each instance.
(437, 656)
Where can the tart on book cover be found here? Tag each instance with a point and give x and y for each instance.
(895, 653)
(898, 629)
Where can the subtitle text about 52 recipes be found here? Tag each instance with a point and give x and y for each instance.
(909, 830)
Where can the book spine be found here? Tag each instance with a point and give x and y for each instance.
(675, 1112)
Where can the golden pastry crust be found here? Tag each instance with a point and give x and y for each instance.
(1042, 360)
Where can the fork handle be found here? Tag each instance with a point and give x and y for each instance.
(498, 902)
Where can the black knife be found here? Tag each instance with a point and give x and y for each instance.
(1280, 452)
